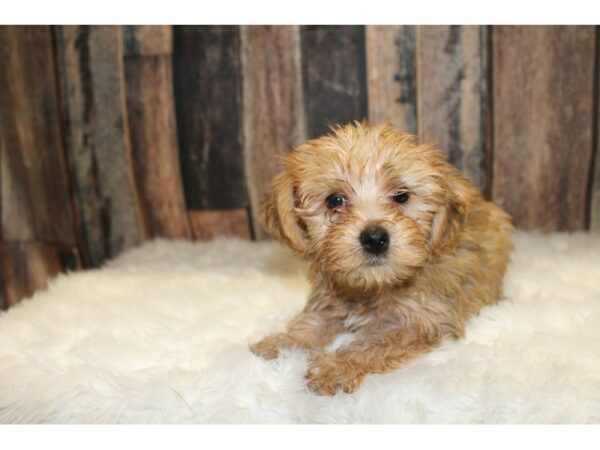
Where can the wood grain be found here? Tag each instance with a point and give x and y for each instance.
(595, 199)
(452, 94)
(273, 116)
(148, 40)
(594, 188)
(543, 121)
(28, 266)
(392, 75)
(35, 192)
(594, 214)
(208, 225)
(206, 71)
(3, 300)
(154, 145)
(92, 80)
(333, 76)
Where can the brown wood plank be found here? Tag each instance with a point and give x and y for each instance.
(333, 76)
(92, 80)
(148, 40)
(452, 94)
(206, 72)
(28, 266)
(273, 117)
(543, 120)
(208, 225)
(3, 300)
(17, 210)
(35, 193)
(154, 145)
(3, 287)
(392, 75)
(594, 189)
(595, 197)
(594, 214)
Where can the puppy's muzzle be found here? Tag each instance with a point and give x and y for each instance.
(375, 240)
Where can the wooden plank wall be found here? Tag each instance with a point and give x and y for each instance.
(38, 217)
(208, 89)
(392, 75)
(151, 117)
(136, 132)
(542, 161)
(90, 60)
(452, 94)
(272, 105)
(333, 76)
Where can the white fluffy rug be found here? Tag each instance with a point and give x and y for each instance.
(161, 335)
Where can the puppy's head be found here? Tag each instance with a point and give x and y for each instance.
(367, 205)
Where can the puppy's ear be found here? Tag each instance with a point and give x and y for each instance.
(278, 214)
(452, 215)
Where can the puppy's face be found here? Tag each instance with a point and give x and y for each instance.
(367, 205)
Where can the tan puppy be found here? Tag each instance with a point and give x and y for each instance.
(403, 251)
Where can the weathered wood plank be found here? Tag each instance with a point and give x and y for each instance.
(392, 75)
(92, 80)
(594, 193)
(3, 300)
(595, 199)
(206, 72)
(36, 198)
(594, 214)
(148, 40)
(154, 145)
(452, 94)
(543, 122)
(273, 118)
(151, 113)
(208, 225)
(17, 210)
(333, 76)
(27, 267)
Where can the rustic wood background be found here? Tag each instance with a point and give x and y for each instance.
(111, 135)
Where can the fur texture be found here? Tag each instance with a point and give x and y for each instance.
(161, 336)
(445, 251)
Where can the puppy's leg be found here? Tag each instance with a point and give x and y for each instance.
(345, 369)
(309, 330)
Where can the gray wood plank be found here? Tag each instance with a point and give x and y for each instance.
(208, 98)
(333, 76)
(452, 96)
(92, 80)
(392, 76)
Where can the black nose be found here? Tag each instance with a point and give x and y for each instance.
(375, 240)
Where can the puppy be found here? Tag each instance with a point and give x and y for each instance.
(403, 250)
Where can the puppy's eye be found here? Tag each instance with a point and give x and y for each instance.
(400, 197)
(335, 200)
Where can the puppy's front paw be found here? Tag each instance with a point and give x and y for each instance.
(268, 348)
(328, 374)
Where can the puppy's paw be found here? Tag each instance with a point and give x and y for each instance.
(328, 374)
(268, 348)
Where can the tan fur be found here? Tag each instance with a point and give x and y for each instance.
(447, 255)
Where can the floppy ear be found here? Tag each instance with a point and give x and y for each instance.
(452, 215)
(278, 214)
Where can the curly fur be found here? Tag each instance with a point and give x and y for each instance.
(448, 251)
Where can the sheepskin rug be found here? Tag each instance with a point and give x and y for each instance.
(161, 335)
